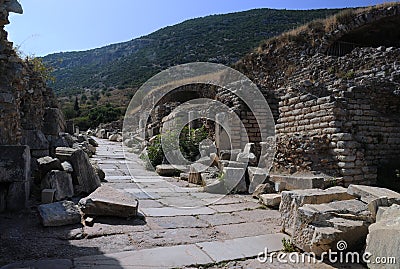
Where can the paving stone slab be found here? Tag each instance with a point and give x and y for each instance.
(235, 207)
(160, 258)
(175, 222)
(242, 247)
(171, 211)
(248, 229)
(222, 219)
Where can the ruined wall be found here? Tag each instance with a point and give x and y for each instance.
(338, 116)
(30, 120)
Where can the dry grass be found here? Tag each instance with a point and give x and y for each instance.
(307, 33)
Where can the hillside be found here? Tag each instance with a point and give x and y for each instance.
(218, 38)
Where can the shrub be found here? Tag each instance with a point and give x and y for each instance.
(288, 246)
(189, 141)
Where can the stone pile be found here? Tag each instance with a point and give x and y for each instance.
(318, 219)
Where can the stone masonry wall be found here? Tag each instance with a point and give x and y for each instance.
(346, 136)
(30, 119)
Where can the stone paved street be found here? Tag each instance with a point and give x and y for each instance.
(179, 226)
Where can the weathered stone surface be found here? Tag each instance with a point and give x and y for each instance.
(15, 170)
(53, 121)
(169, 170)
(107, 201)
(318, 227)
(231, 164)
(271, 200)
(48, 196)
(229, 154)
(299, 182)
(92, 141)
(263, 189)
(47, 164)
(184, 176)
(383, 239)
(100, 173)
(67, 167)
(232, 181)
(59, 214)
(115, 138)
(195, 172)
(257, 176)
(35, 139)
(368, 194)
(61, 181)
(17, 195)
(292, 200)
(15, 163)
(84, 176)
(249, 158)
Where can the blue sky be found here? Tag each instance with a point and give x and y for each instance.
(49, 26)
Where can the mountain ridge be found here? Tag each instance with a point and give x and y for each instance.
(215, 38)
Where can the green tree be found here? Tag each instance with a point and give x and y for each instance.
(76, 106)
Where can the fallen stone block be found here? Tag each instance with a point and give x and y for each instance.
(292, 200)
(84, 176)
(231, 164)
(299, 182)
(107, 201)
(169, 170)
(374, 196)
(215, 186)
(368, 194)
(229, 155)
(61, 181)
(318, 227)
(59, 214)
(195, 172)
(47, 164)
(92, 142)
(383, 239)
(99, 172)
(265, 188)
(257, 176)
(248, 158)
(67, 167)
(102, 133)
(115, 138)
(271, 200)
(48, 196)
(231, 181)
(234, 179)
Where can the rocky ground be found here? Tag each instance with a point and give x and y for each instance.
(172, 213)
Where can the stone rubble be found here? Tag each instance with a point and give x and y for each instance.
(383, 238)
(59, 214)
(318, 219)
